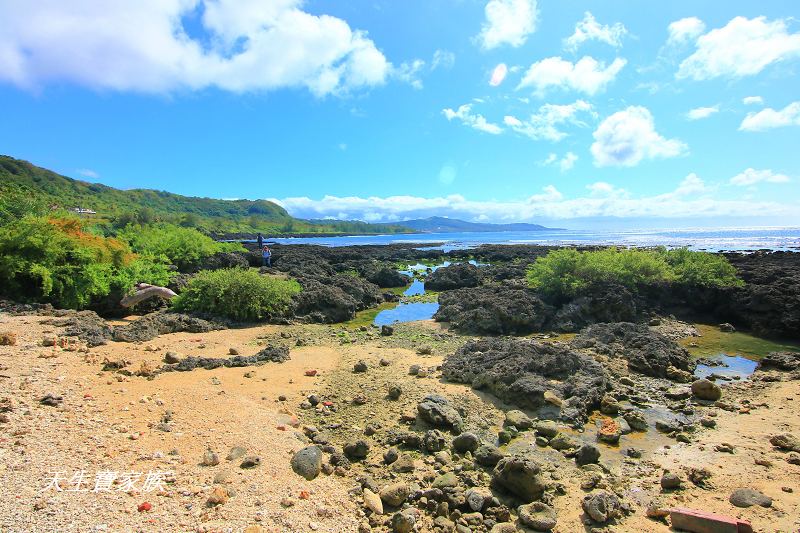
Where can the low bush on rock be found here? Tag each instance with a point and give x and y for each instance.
(567, 272)
(238, 294)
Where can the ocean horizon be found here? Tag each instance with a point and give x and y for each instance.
(706, 239)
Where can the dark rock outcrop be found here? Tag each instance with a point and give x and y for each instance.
(781, 361)
(151, 326)
(521, 371)
(270, 354)
(599, 303)
(646, 351)
(455, 276)
(497, 309)
(87, 326)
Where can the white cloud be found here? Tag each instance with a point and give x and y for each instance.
(769, 118)
(343, 147)
(248, 45)
(753, 100)
(543, 124)
(498, 75)
(691, 198)
(508, 22)
(589, 29)
(752, 176)
(587, 75)
(88, 173)
(741, 48)
(477, 121)
(443, 59)
(567, 162)
(408, 72)
(629, 136)
(685, 30)
(564, 164)
(702, 112)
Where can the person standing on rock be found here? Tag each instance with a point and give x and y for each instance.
(260, 240)
(266, 255)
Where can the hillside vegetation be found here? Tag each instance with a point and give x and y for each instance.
(26, 188)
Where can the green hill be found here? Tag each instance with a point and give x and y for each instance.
(22, 179)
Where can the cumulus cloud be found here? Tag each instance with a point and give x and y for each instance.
(752, 176)
(474, 120)
(589, 29)
(742, 47)
(587, 75)
(544, 123)
(629, 136)
(753, 100)
(508, 22)
(691, 198)
(247, 45)
(769, 118)
(702, 112)
(498, 75)
(685, 30)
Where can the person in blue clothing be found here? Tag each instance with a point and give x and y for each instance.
(266, 254)
(260, 240)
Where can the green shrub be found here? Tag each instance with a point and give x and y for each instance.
(56, 260)
(239, 294)
(702, 269)
(566, 272)
(173, 245)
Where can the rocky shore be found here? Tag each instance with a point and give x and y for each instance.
(579, 415)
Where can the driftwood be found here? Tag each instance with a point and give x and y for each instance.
(145, 292)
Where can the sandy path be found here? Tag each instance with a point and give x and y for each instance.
(94, 427)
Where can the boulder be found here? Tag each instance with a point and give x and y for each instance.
(518, 419)
(521, 476)
(395, 494)
(466, 442)
(704, 389)
(537, 516)
(587, 454)
(749, 497)
(437, 411)
(488, 455)
(307, 462)
(602, 506)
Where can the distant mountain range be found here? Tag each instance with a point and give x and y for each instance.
(454, 225)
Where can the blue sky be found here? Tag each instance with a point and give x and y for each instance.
(600, 113)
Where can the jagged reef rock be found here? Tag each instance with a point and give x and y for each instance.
(455, 276)
(497, 309)
(270, 354)
(87, 326)
(521, 371)
(598, 303)
(151, 326)
(646, 351)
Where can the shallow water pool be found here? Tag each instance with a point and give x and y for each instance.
(406, 313)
